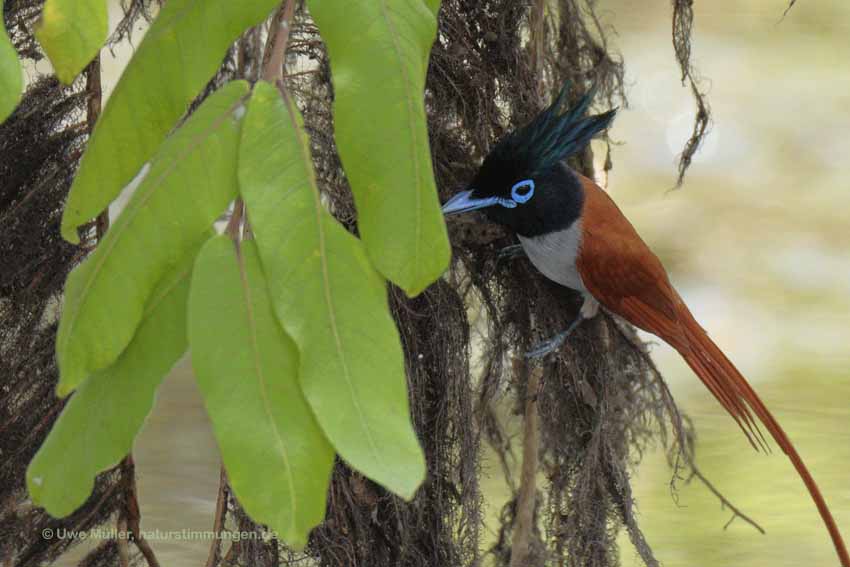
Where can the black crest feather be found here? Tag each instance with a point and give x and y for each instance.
(554, 135)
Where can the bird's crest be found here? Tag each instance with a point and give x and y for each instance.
(555, 134)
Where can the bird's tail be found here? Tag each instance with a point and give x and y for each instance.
(738, 398)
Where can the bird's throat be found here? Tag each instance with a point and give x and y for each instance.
(554, 254)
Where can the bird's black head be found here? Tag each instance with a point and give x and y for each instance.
(523, 182)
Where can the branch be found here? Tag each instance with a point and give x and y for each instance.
(146, 549)
(685, 449)
(218, 525)
(94, 104)
(521, 545)
(273, 59)
(276, 43)
(123, 546)
(133, 514)
(235, 222)
(787, 9)
(676, 418)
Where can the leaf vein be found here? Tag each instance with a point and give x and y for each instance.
(258, 366)
(119, 228)
(326, 279)
(411, 118)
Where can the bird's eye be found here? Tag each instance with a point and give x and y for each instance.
(523, 191)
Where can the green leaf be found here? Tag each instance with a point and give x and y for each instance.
(185, 188)
(11, 75)
(434, 6)
(379, 56)
(277, 459)
(177, 57)
(97, 427)
(329, 299)
(72, 33)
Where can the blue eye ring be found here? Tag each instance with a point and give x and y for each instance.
(522, 197)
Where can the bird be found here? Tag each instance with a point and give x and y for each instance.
(575, 235)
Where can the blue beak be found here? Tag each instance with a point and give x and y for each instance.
(464, 202)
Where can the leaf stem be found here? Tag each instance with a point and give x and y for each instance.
(235, 223)
(133, 515)
(94, 104)
(123, 545)
(274, 54)
(218, 525)
(276, 43)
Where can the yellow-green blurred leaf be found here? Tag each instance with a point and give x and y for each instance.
(181, 51)
(433, 5)
(277, 459)
(379, 56)
(72, 33)
(329, 299)
(183, 190)
(11, 75)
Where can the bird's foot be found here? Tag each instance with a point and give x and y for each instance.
(510, 252)
(554, 343)
(547, 346)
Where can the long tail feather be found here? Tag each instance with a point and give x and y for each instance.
(739, 399)
(734, 405)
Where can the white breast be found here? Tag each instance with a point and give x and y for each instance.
(555, 254)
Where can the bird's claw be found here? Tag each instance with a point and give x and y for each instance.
(555, 342)
(548, 346)
(510, 252)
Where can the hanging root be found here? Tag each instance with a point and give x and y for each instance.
(683, 22)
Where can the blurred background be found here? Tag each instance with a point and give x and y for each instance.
(757, 241)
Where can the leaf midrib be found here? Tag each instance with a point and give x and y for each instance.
(258, 368)
(119, 229)
(308, 166)
(411, 119)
